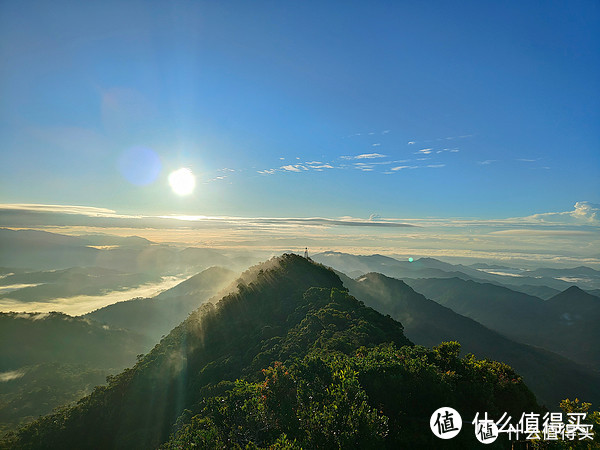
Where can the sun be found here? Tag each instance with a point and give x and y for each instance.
(182, 181)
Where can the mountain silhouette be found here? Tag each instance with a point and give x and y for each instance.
(576, 302)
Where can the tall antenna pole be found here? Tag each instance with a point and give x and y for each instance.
(306, 252)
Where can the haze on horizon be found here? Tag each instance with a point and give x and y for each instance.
(466, 131)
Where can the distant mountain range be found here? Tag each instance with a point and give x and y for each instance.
(541, 279)
(40, 250)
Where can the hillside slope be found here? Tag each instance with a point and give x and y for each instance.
(566, 324)
(550, 376)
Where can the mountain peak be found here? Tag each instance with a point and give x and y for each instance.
(570, 293)
(576, 301)
(573, 289)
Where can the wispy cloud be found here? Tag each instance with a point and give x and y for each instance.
(448, 138)
(436, 166)
(563, 237)
(347, 222)
(538, 232)
(63, 209)
(424, 151)
(451, 138)
(584, 213)
(294, 168)
(53, 214)
(219, 178)
(365, 156)
(451, 150)
(322, 166)
(381, 163)
(317, 166)
(487, 162)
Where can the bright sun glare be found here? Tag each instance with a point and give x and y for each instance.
(182, 181)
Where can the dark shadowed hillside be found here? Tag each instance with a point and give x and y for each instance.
(566, 324)
(49, 360)
(32, 338)
(290, 357)
(550, 376)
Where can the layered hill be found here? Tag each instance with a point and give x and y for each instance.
(566, 324)
(290, 357)
(550, 376)
(42, 251)
(531, 281)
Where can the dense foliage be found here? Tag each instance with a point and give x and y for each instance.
(380, 397)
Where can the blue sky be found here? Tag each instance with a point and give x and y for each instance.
(486, 110)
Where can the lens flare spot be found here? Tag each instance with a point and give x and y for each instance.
(410, 259)
(182, 181)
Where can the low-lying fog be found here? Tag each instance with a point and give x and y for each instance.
(83, 304)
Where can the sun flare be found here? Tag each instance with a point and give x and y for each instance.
(182, 181)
